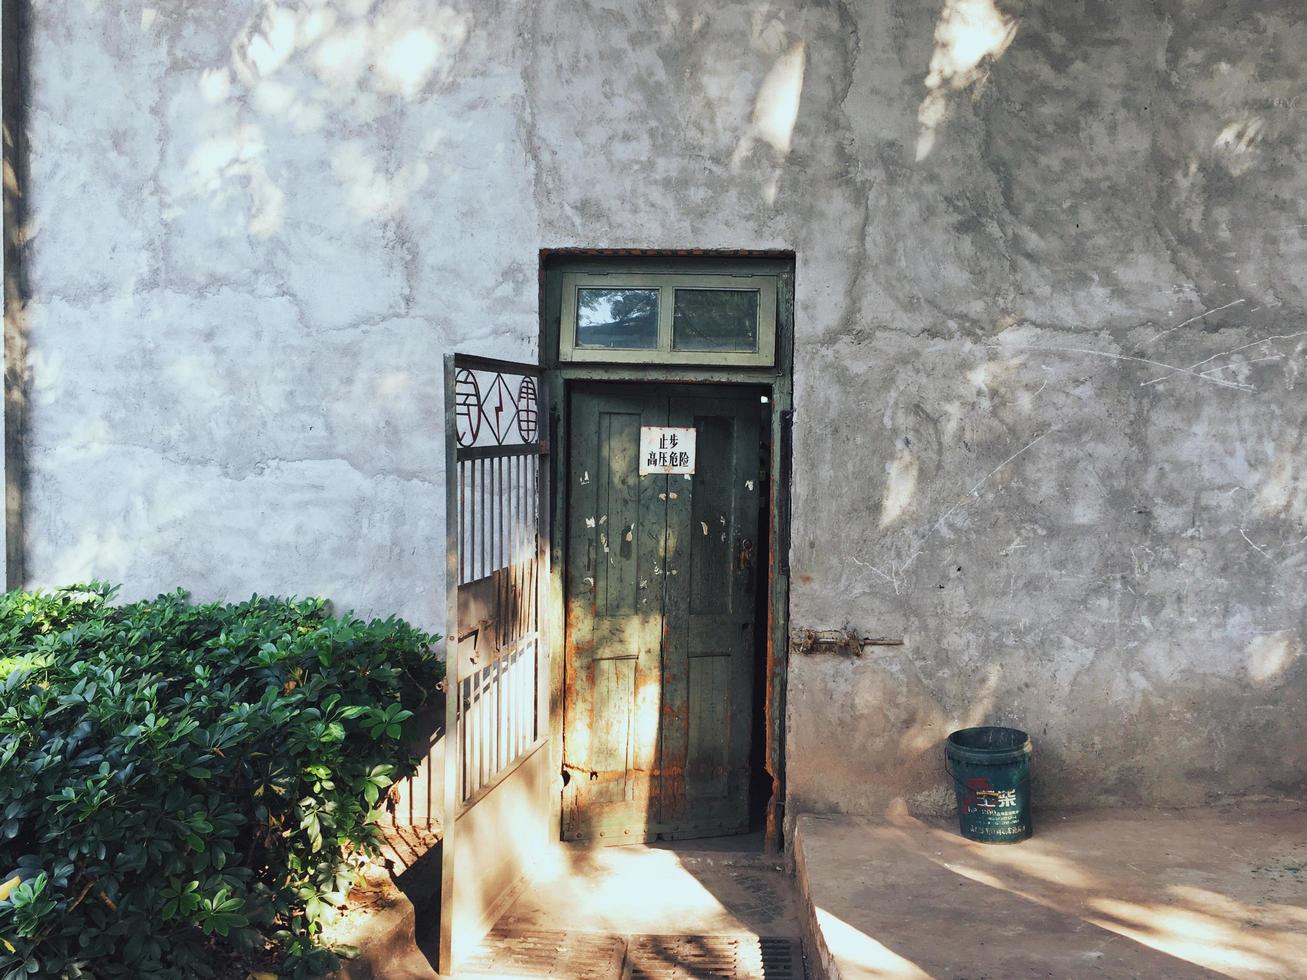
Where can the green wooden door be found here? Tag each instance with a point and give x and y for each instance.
(660, 617)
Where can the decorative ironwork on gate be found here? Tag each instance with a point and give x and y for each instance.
(494, 408)
(497, 488)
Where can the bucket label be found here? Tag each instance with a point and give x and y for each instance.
(994, 799)
(989, 813)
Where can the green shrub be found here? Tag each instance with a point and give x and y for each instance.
(178, 781)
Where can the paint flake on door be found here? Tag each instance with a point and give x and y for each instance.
(666, 449)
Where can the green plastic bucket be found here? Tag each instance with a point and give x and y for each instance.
(990, 767)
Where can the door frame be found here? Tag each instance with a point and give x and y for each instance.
(778, 380)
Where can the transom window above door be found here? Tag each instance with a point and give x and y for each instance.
(664, 318)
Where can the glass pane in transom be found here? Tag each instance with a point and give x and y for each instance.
(715, 319)
(617, 318)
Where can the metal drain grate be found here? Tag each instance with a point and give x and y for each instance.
(714, 958)
(570, 955)
(591, 956)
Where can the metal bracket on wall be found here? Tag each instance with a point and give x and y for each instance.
(845, 641)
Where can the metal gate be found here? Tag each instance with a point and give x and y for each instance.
(496, 764)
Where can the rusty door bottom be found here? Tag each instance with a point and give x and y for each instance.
(596, 956)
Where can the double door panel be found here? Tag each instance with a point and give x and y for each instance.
(661, 617)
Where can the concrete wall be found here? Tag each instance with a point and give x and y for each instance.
(1051, 280)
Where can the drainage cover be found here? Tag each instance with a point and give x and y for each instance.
(713, 958)
(592, 956)
(581, 955)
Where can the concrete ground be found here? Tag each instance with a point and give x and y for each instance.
(699, 908)
(1220, 892)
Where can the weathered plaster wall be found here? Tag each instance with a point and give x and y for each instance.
(1051, 281)
(258, 229)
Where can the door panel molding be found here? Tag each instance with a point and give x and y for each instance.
(662, 748)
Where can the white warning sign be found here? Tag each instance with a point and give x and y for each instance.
(666, 450)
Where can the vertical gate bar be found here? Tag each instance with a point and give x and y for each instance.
(482, 498)
(488, 515)
(540, 611)
(501, 732)
(522, 545)
(459, 465)
(482, 714)
(510, 707)
(479, 695)
(501, 605)
(499, 715)
(528, 683)
(496, 515)
(506, 609)
(452, 796)
(466, 736)
(488, 505)
(487, 711)
(470, 516)
(529, 558)
(523, 701)
(472, 521)
(516, 544)
(484, 503)
(469, 735)
(474, 732)
(479, 515)
(487, 724)
(519, 596)
(475, 735)
(510, 592)
(505, 709)
(488, 704)
(511, 464)
(514, 729)
(501, 613)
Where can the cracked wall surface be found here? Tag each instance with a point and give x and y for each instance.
(1050, 336)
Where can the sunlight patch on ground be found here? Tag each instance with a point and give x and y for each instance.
(1192, 935)
(860, 955)
(1210, 929)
